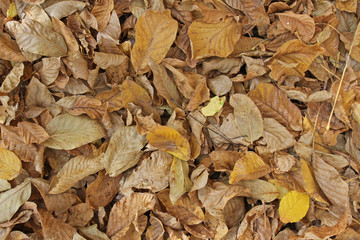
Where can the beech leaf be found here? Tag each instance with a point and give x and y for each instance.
(10, 164)
(293, 206)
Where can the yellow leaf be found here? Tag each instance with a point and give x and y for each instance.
(11, 12)
(213, 106)
(213, 39)
(180, 182)
(293, 207)
(10, 164)
(155, 33)
(169, 140)
(311, 186)
(249, 167)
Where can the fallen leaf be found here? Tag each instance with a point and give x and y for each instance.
(301, 24)
(32, 132)
(155, 33)
(124, 150)
(213, 106)
(73, 171)
(261, 189)
(53, 228)
(106, 60)
(247, 117)
(12, 80)
(12, 199)
(101, 12)
(224, 161)
(64, 8)
(273, 103)
(69, 132)
(10, 164)
(213, 39)
(169, 140)
(9, 50)
(251, 166)
(293, 206)
(179, 179)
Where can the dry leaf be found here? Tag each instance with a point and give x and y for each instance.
(261, 189)
(179, 179)
(124, 150)
(9, 50)
(32, 132)
(169, 140)
(293, 206)
(64, 8)
(155, 33)
(247, 117)
(301, 24)
(272, 103)
(213, 39)
(101, 12)
(12, 80)
(251, 166)
(73, 171)
(10, 164)
(213, 106)
(12, 199)
(53, 228)
(69, 132)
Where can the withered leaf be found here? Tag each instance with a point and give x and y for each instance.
(12, 80)
(53, 228)
(179, 179)
(101, 12)
(9, 50)
(155, 33)
(301, 24)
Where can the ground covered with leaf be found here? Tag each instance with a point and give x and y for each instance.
(170, 119)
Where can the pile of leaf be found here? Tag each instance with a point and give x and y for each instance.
(170, 119)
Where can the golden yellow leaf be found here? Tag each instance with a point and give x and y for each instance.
(155, 33)
(294, 206)
(169, 140)
(311, 186)
(249, 167)
(213, 106)
(293, 58)
(11, 12)
(213, 39)
(10, 164)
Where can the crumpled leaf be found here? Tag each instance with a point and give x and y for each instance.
(249, 167)
(169, 140)
(33, 37)
(213, 106)
(151, 173)
(293, 58)
(155, 33)
(68, 132)
(128, 209)
(12, 80)
(10, 164)
(213, 39)
(273, 103)
(12, 199)
(247, 117)
(124, 150)
(179, 179)
(73, 171)
(293, 206)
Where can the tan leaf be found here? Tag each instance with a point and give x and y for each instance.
(224, 161)
(79, 215)
(33, 37)
(37, 94)
(187, 211)
(213, 39)
(254, 11)
(179, 179)
(276, 136)
(125, 211)
(156, 229)
(169, 140)
(73, 171)
(12, 80)
(106, 60)
(124, 150)
(132, 92)
(93, 232)
(101, 12)
(293, 58)
(199, 177)
(102, 191)
(261, 189)
(53, 228)
(330, 182)
(112, 98)
(301, 24)
(251, 166)
(32, 132)
(9, 50)
(217, 195)
(49, 70)
(64, 8)
(4, 185)
(12, 199)
(69, 132)
(273, 103)
(90, 106)
(155, 33)
(247, 117)
(220, 85)
(151, 173)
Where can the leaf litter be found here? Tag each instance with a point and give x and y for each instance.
(161, 119)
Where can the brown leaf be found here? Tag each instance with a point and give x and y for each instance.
(102, 191)
(79, 215)
(9, 50)
(224, 161)
(90, 106)
(32, 133)
(213, 39)
(53, 228)
(12, 80)
(127, 210)
(301, 24)
(101, 12)
(155, 33)
(272, 103)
